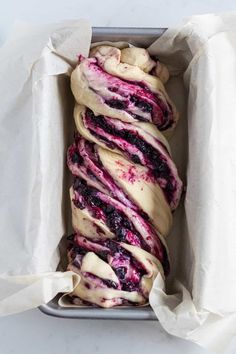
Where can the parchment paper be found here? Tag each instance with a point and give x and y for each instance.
(203, 307)
(36, 128)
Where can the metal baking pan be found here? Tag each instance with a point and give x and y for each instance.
(139, 37)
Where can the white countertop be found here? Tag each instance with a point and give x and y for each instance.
(33, 332)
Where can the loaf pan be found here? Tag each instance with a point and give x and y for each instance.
(139, 37)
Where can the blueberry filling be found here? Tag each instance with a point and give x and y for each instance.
(79, 250)
(84, 161)
(155, 160)
(102, 255)
(121, 235)
(91, 175)
(129, 275)
(116, 221)
(113, 89)
(109, 209)
(129, 286)
(89, 195)
(109, 283)
(76, 158)
(144, 106)
(117, 104)
(115, 248)
(135, 159)
(78, 204)
(131, 96)
(132, 137)
(121, 272)
(80, 185)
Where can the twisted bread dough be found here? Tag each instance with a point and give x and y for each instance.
(122, 91)
(126, 184)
